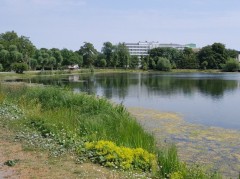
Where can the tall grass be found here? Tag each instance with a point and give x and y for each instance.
(84, 116)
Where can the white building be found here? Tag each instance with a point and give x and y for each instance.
(142, 48)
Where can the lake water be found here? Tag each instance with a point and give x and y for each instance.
(201, 98)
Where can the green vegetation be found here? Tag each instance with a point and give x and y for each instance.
(15, 49)
(109, 154)
(93, 128)
(231, 65)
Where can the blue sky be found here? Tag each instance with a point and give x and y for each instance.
(69, 23)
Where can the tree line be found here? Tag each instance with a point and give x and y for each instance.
(18, 53)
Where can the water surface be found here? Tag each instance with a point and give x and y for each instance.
(201, 98)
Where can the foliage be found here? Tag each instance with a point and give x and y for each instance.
(19, 67)
(123, 55)
(88, 53)
(163, 64)
(171, 54)
(107, 50)
(103, 63)
(11, 163)
(1, 67)
(231, 65)
(187, 59)
(109, 154)
(214, 55)
(134, 62)
(168, 161)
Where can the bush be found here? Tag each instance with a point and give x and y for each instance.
(1, 67)
(109, 154)
(163, 64)
(231, 65)
(19, 67)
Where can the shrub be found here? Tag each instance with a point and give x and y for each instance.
(1, 67)
(19, 67)
(231, 65)
(163, 64)
(109, 154)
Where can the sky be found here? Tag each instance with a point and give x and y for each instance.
(70, 23)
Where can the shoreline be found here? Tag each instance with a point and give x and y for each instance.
(195, 143)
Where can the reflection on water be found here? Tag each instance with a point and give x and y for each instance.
(209, 99)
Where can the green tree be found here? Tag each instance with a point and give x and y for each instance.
(187, 59)
(103, 63)
(134, 62)
(1, 67)
(123, 55)
(21, 44)
(89, 54)
(232, 53)
(56, 54)
(19, 67)
(231, 65)
(215, 55)
(52, 62)
(4, 58)
(71, 58)
(163, 64)
(115, 59)
(107, 50)
(171, 54)
(33, 63)
(8, 38)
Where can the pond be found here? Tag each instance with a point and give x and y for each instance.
(210, 99)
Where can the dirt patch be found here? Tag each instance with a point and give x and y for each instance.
(38, 164)
(214, 147)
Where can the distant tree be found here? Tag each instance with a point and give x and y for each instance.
(89, 54)
(1, 67)
(103, 63)
(123, 55)
(171, 54)
(206, 56)
(145, 61)
(1, 47)
(215, 55)
(43, 57)
(134, 62)
(23, 45)
(19, 67)
(4, 59)
(231, 53)
(107, 50)
(204, 65)
(52, 62)
(231, 65)
(8, 38)
(187, 59)
(115, 59)
(163, 64)
(56, 54)
(33, 63)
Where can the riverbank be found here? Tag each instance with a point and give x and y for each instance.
(92, 128)
(37, 163)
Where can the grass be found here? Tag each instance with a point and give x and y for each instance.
(73, 119)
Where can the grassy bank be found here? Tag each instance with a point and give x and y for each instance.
(92, 128)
